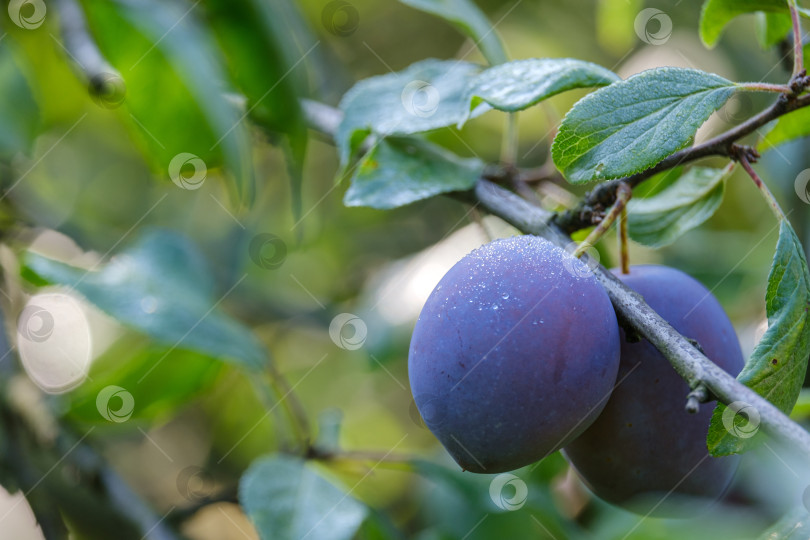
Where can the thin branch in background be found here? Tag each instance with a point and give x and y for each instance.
(104, 82)
(290, 404)
(624, 193)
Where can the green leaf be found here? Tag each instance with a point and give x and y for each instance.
(772, 28)
(427, 95)
(161, 286)
(19, 114)
(661, 219)
(794, 526)
(397, 172)
(778, 364)
(716, 14)
(469, 20)
(174, 377)
(794, 125)
(631, 125)
(517, 85)
(289, 500)
(267, 61)
(787, 128)
(175, 100)
(801, 411)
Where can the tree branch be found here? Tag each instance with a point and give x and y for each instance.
(604, 195)
(633, 312)
(690, 363)
(104, 82)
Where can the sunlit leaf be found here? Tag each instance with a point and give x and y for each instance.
(716, 14)
(772, 28)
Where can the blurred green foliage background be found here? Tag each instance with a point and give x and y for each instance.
(94, 170)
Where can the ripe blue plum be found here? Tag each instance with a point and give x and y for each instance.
(514, 354)
(645, 452)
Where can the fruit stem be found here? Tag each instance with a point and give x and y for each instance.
(624, 248)
(744, 160)
(623, 194)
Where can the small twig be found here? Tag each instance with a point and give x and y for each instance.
(798, 53)
(104, 82)
(744, 156)
(697, 396)
(623, 195)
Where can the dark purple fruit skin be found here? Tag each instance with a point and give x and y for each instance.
(644, 443)
(513, 356)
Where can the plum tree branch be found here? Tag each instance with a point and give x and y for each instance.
(689, 362)
(724, 145)
(633, 312)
